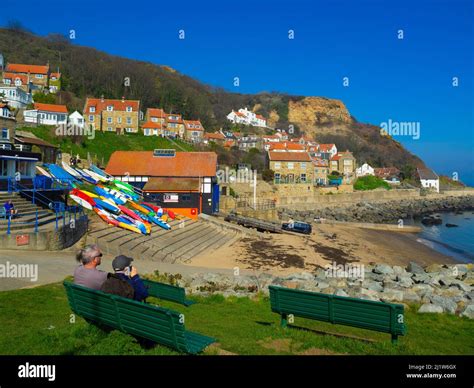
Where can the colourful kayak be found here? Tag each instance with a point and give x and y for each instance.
(42, 171)
(151, 206)
(97, 170)
(97, 177)
(124, 219)
(106, 205)
(130, 213)
(140, 208)
(86, 177)
(123, 185)
(159, 222)
(122, 197)
(170, 213)
(85, 204)
(71, 171)
(82, 195)
(106, 216)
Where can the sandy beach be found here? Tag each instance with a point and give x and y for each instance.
(284, 253)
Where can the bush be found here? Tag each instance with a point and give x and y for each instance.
(268, 175)
(370, 182)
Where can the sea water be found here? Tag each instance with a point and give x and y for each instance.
(457, 242)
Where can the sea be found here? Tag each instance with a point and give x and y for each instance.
(457, 242)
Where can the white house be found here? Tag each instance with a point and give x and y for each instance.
(76, 119)
(47, 114)
(17, 98)
(364, 170)
(247, 117)
(428, 179)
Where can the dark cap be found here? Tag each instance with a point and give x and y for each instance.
(121, 262)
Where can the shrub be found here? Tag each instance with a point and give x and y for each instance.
(370, 182)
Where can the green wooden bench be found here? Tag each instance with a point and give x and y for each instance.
(365, 314)
(154, 323)
(167, 292)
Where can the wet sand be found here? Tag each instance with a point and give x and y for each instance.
(284, 253)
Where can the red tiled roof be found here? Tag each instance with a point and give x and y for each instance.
(215, 136)
(51, 107)
(156, 112)
(287, 146)
(187, 124)
(325, 147)
(23, 78)
(289, 156)
(117, 104)
(229, 143)
(260, 117)
(153, 125)
(320, 163)
(55, 75)
(33, 69)
(143, 163)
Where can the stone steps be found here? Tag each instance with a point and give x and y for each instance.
(177, 244)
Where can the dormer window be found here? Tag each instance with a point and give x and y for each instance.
(110, 108)
(92, 109)
(39, 76)
(18, 82)
(129, 108)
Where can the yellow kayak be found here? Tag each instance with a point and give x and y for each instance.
(129, 227)
(139, 208)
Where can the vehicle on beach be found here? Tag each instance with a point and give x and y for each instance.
(297, 226)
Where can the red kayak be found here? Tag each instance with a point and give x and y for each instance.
(170, 213)
(84, 196)
(131, 213)
(150, 205)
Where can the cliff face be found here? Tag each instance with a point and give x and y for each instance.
(311, 112)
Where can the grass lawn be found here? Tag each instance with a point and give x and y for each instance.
(36, 321)
(104, 143)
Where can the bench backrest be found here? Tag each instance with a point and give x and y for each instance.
(165, 291)
(372, 315)
(132, 317)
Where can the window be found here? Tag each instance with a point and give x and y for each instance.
(128, 129)
(303, 165)
(129, 120)
(92, 109)
(109, 120)
(277, 166)
(303, 178)
(3, 167)
(129, 108)
(5, 134)
(91, 118)
(39, 76)
(154, 119)
(291, 165)
(347, 162)
(277, 178)
(22, 167)
(110, 129)
(119, 120)
(146, 132)
(80, 121)
(110, 108)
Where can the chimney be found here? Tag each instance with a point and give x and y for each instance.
(123, 98)
(102, 98)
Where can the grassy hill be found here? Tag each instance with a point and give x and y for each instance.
(104, 144)
(89, 72)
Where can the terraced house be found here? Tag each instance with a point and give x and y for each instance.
(194, 130)
(291, 167)
(117, 116)
(344, 163)
(34, 77)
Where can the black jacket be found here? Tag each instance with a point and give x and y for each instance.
(116, 286)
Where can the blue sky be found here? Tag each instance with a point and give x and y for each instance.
(407, 79)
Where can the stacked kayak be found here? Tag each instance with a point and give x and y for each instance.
(115, 202)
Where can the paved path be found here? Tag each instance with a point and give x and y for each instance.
(54, 266)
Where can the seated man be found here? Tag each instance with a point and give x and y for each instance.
(125, 281)
(87, 274)
(10, 210)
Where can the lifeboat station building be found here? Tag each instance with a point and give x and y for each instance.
(184, 182)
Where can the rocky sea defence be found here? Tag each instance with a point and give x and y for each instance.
(383, 212)
(434, 289)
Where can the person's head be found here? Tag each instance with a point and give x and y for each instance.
(122, 263)
(89, 256)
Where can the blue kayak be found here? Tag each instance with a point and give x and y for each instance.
(160, 223)
(103, 193)
(86, 177)
(106, 206)
(97, 170)
(60, 173)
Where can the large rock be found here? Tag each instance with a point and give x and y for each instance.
(301, 276)
(373, 286)
(448, 305)
(404, 281)
(415, 268)
(391, 295)
(421, 278)
(383, 269)
(462, 286)
(468, 312)
(341, 293)
(322, 285)
(411, 297)
(434, 268)
(422, 289)
(399, 270)
(430, 308)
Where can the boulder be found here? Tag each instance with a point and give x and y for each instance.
(301, 276)
(411, 297)
(430, 308)
(468, 311)
(415, 268)
(448, 305)
(341, 293)
(404, 281)
(322, 285)
(373, 286)
(383, 269)
(420, 278)
(434, 268)
(461, 285)
(391, 295)
(399, 270)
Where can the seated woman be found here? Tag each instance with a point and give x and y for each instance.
(10, 209)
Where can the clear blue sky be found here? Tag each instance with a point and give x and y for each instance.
(403, 80)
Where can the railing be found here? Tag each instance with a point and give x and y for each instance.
(248, 203)
(59, 209)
